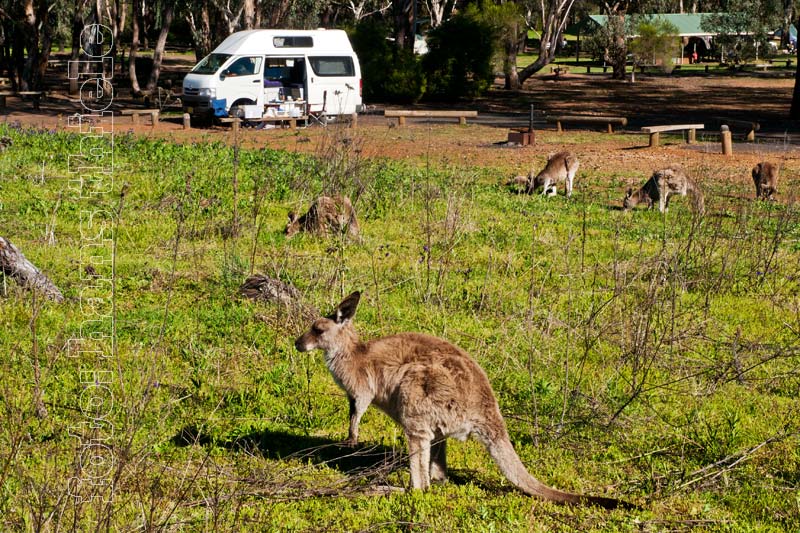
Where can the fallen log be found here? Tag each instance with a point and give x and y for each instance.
(268, 289)
(15, 265)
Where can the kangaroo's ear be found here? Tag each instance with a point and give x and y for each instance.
(347, 309)
(629, 193)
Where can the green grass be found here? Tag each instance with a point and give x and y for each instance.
(640, 355)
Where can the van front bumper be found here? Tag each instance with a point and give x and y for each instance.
(197, 105)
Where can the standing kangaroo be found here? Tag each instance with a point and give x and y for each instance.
(560, 167)
(432, 389)
(663, 184)
(326, 214)
(765, 177)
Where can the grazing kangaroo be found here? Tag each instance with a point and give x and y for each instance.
(325, 215)
(663, 184)
(765, 177)
(560, 167)
(430, 387)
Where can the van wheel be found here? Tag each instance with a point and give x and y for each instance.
(237, 111)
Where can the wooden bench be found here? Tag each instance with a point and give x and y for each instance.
(559, 70)
(401, 114)
(656, 131)
(3, 95)
(35, 97)
(750, 126)
(587, 119)
(136, 113)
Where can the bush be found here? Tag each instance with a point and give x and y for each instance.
(459, 59)
(389, 73)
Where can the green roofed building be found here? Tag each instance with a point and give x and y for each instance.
(694, 37)
(688, 24)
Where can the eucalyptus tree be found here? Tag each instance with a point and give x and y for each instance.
(553, 16)
(27, 36)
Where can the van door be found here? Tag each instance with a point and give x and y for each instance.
(332, 85)
(284, 77)
(241, 83)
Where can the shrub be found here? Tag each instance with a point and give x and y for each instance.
(459, 59)
(389, 73)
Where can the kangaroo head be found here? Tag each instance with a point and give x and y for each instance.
(328, 333)
(628, 202)
(294, 224)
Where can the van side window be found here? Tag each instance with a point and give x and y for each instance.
(244, 66)
(332, 66)
(295, 41)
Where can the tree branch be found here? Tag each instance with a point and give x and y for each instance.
(15, 265)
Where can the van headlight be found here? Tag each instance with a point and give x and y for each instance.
(211, 93)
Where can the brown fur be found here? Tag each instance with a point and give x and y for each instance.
(765, 178)
(432, 389)
(326, 215)
(663, 184)
(560, 168)
(518, 183)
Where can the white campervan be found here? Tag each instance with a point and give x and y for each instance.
(260, 72)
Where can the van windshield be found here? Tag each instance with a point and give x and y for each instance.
(211, 63)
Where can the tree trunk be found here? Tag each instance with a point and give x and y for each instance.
(514, 44)
(249, 14)
(18, 57)
(29, 38)
(788, 14)
(547, 46)
(619, 52)
(134, 48)
(510, 69)
(77, 29)
(403, 22)
(553, 22)
(16, 266)
(161, 43)
(201, 31)
(43, 55)
(794, 112)
(257, 18)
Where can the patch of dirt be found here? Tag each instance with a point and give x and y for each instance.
(651, 100)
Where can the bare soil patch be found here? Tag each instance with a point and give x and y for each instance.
(651, 100)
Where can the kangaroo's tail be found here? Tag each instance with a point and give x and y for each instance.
(507, 459)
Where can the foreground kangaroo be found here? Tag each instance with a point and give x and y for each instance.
(430, 387)
(765, 177)
(325, 215)
(560, 167)
(663, 184)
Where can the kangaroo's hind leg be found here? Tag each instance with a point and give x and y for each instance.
(569, 180)
(439, 460)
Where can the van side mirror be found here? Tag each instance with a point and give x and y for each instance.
(223, 74)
